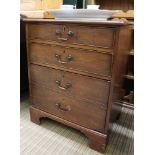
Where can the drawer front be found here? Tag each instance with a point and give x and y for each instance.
(75, 34)
(70, 84)
(71, 58)
(84, 114)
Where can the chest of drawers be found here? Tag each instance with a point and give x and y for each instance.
(76, 73)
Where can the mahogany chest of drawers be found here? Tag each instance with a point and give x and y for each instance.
(76, 73)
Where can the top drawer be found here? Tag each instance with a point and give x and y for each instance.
(84, 35)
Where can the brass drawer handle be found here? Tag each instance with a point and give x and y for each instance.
(58, 105)
(67, 86)
(70, 33)
(59, 33)
(68, 58)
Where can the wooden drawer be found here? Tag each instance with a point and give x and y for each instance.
(70, 84)
(75, 34)
(71, 58)
(82, 113)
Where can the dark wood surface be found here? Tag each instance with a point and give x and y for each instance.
(128, 85)
(68, 108)
(92, 62)
(93, 36)
(82, 92)
(70, 84)
(23, 60)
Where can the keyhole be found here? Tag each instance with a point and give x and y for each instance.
(63, 74)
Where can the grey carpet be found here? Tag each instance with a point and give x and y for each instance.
(52, 138)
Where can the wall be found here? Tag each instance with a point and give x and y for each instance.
(40, 4)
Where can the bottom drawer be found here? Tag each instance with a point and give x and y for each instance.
(82, 113)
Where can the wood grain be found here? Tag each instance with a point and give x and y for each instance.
(80, 87)
(90, 82)
(78, 112)
(81, 60)
(93, 36)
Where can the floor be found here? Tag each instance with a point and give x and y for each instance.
(52, 138)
